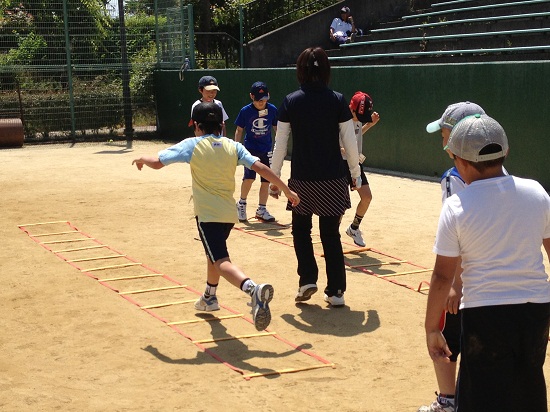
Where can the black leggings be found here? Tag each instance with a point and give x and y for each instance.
(329, 230)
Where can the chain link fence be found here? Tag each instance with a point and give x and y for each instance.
(75, 70)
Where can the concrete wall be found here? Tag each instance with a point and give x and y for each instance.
(282, 47)
(407, 98)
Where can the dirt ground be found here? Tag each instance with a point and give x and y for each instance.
(71, 342)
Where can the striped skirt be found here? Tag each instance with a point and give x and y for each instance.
(321, 197)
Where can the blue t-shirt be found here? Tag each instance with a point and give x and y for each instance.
(257, 125)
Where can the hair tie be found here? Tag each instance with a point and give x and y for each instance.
(315, 62)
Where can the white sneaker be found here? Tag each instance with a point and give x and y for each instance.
(436, 406)
(241, 211)
(335, 300)
(261, 315)
(263, 214)
(207, 305)
(356, 235)
(305, 292)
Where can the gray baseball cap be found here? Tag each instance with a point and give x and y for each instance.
(478, 138)
(453, 114)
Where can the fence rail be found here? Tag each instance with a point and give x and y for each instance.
(263, 16)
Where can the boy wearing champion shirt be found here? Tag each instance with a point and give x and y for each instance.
(496, 225)
(361, 106)
(213, 161)
(256, 120)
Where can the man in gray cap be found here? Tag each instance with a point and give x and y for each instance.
(497, 225)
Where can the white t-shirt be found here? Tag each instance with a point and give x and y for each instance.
(338, 25)
(497, 226)
(219, 103)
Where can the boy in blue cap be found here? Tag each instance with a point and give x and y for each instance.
(256, 120)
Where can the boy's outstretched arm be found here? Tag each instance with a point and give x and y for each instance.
(375, 119)
(268, 174)
(152, 161)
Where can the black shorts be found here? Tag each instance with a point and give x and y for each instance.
(503, 353)
(364, 180)
(265, 158)
(451, 332)
(214, 238)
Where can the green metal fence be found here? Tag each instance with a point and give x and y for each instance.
(76, 70)
(263, 16)
(174, 34)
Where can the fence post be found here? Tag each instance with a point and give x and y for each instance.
(157, 35)
(241, 34)
(191, 34)
(69, 69)
(127, 101)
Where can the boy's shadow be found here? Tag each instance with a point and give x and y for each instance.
(233, 351)
(334, 321)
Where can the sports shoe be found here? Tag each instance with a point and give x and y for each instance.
(264, 215)
(207, 305)
(356, 235)
(439, 405)
(305, 292)
(335, 300)
(241, 211)
(261, 315)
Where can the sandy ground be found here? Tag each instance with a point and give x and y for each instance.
(69, 342)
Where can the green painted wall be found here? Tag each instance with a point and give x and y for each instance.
(407, 98)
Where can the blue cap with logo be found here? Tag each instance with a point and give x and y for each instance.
(259, 91)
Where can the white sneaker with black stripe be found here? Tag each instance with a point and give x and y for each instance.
(263, 214)
(356, 235)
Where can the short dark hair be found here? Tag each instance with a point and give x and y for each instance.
(208, 116)
(487, 164)
(313, 66)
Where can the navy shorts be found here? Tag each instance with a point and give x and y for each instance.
(265, 158)
(214, 238)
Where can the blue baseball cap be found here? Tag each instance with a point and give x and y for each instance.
(209, 83)
(259, 91)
